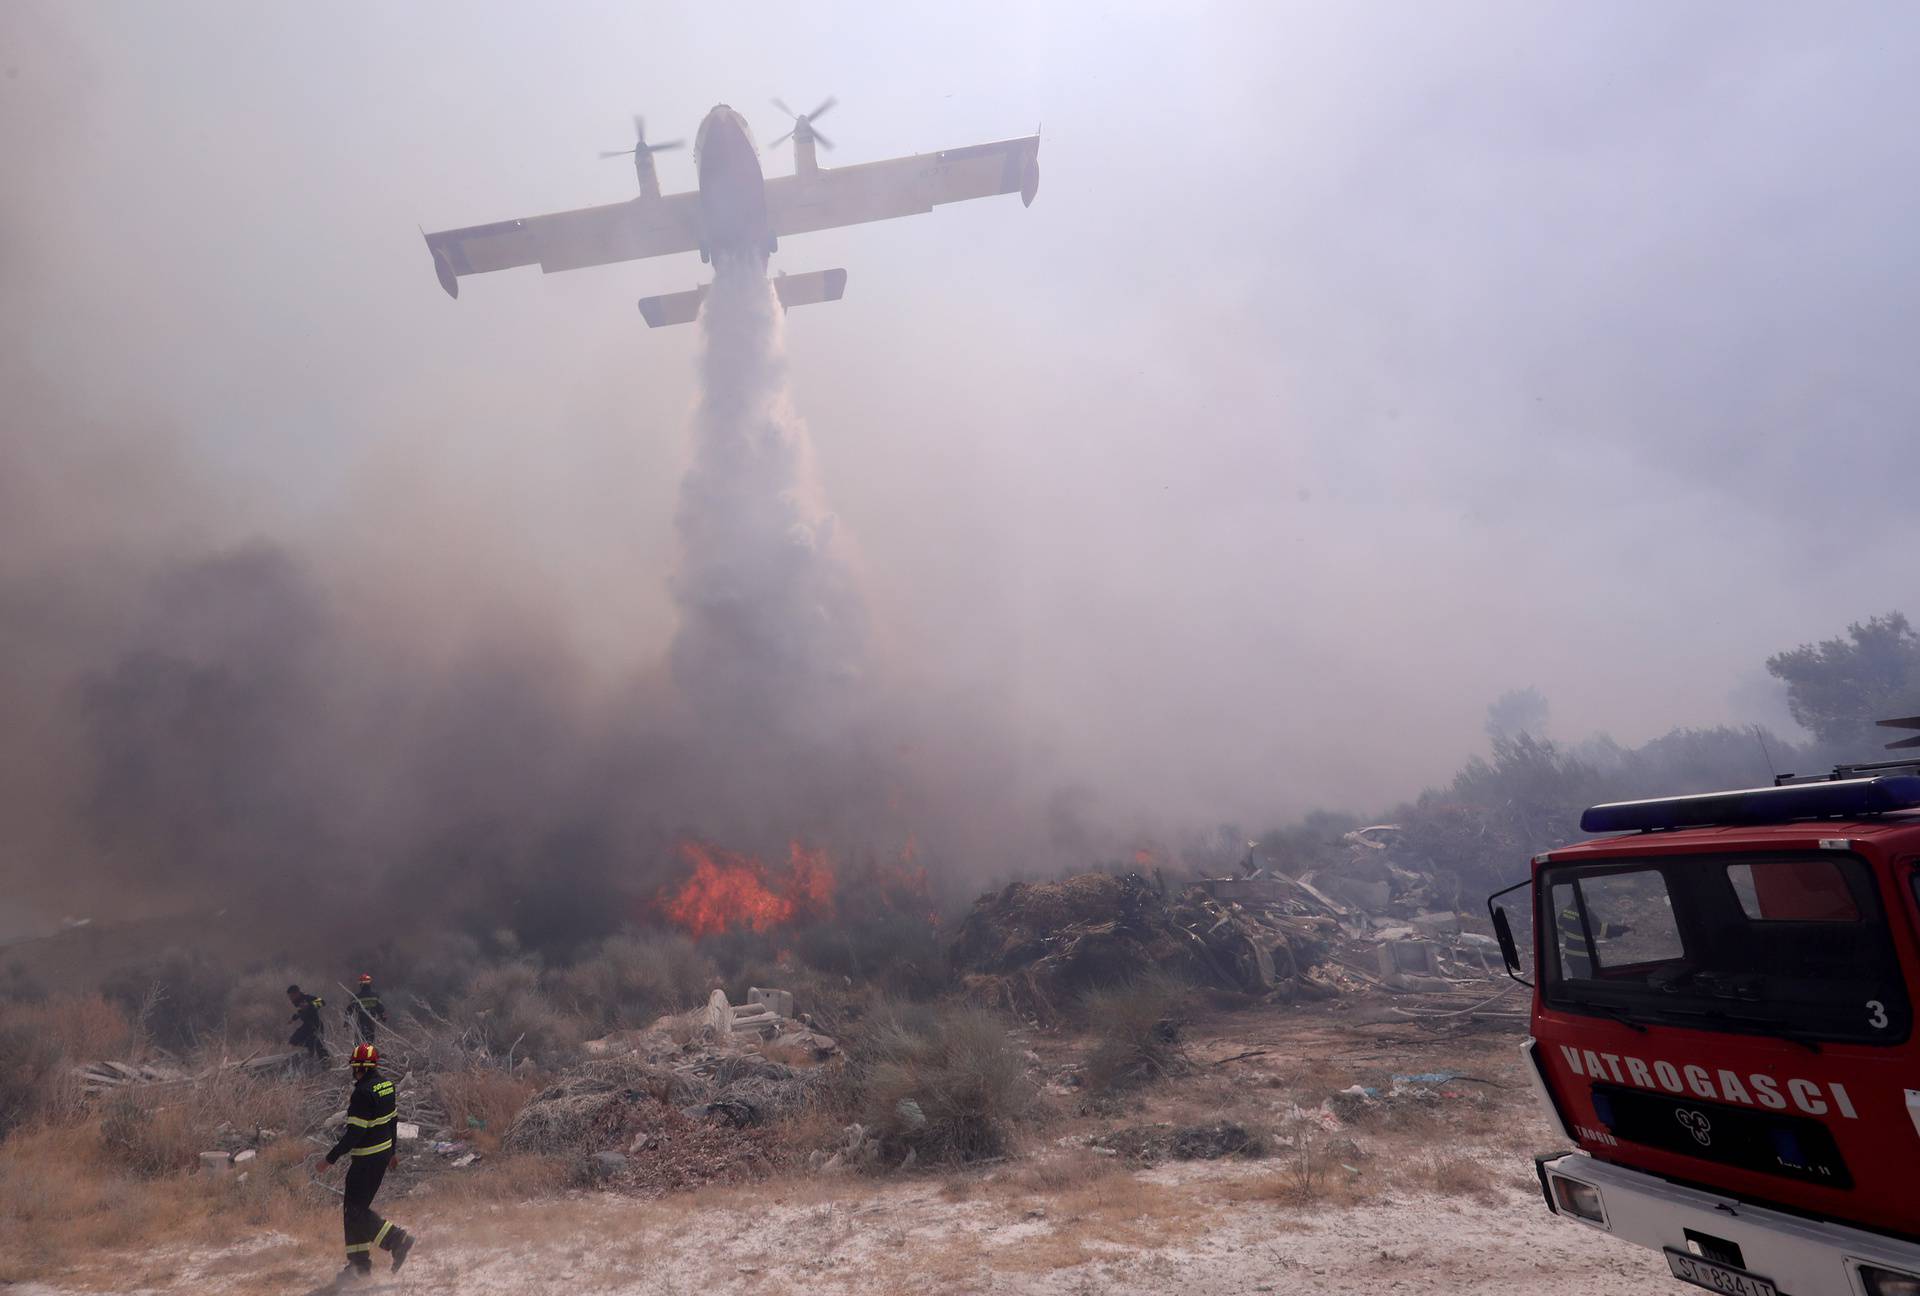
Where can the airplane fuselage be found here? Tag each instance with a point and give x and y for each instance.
(733, 193)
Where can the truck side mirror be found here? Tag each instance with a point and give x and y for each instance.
(1503, 931)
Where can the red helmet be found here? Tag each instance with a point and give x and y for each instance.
(366, 978)
(365, 1058)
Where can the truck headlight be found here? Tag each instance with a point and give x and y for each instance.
(1888, 1282)
(1581, 1199)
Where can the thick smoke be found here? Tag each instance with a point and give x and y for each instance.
(199, 721)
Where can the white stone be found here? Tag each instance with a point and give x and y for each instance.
(719, 1014)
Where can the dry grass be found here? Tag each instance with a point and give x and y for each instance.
(1060, 1172)
(1452, 1174)
(70, 1222)
(489, 1095)
(1136, 1029)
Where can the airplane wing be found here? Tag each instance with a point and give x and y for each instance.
(902, 186)
(624, 231)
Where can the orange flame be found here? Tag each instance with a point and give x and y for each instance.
(732, 891)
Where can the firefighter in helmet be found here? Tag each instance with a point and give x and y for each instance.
(367, 1142)
(310, 1031)
(365, 1009)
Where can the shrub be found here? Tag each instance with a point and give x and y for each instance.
(491, 1095)
(1136, 1027)
(149, 1141)
(885, 946)
(633, 979)
(39, 1044)
(505, 1006)
(175, 999)
(30, 1067)
(945, 1084)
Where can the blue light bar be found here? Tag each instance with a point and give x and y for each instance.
(1834, 799)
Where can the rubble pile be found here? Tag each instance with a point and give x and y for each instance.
(1034, 946)
(590, 1108)
(694, 1092)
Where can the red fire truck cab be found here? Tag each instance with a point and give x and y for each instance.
(1723, 1030)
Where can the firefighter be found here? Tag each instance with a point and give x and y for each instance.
(309, 1033)
(366, 1009)
(367, 1143)
(1575, 965)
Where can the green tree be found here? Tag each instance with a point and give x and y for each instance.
(1839, 687)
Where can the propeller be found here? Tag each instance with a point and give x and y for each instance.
(640, 142)
(804, 121)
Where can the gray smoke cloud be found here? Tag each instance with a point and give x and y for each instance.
(1403, 356)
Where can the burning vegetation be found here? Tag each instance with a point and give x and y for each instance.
(730, 892)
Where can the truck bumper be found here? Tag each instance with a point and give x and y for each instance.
(1801, 1257)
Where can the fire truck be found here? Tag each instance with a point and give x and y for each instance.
(1722, 1029)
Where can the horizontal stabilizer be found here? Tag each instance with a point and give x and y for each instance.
(792, 290)
(1904, 722)
(673, 308)
(806, 289)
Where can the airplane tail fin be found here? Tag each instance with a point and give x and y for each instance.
(793, 290)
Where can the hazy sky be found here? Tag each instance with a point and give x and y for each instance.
(1355, 364)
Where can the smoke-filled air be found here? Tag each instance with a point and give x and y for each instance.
(908, 663)
(1290, 429)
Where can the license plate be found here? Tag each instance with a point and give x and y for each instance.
(1715, 1276)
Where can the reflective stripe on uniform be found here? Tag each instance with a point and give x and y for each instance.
(369, 1151)
(359, 1248)
(368, 1122)
(381, 1236)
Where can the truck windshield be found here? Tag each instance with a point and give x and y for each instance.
(1793, 945)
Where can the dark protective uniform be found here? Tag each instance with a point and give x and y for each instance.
(363, 1010)
(368, 1140)
(308, 1034)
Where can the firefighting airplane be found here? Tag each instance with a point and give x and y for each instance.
(737, 212)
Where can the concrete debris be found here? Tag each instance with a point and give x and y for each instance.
(766, 1019)
(777, 1002)
(106, 1075)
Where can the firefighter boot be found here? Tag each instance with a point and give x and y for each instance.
(401, 1245)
